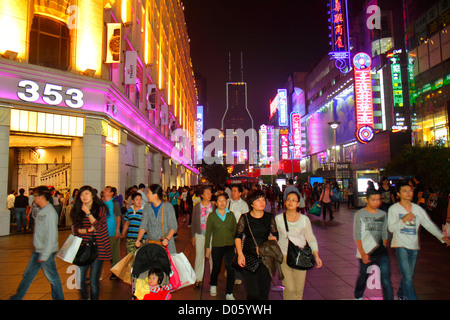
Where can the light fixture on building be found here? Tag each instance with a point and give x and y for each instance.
(12, 55)
(89, 72)
(334, 125)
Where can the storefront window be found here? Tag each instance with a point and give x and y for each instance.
(49, 43)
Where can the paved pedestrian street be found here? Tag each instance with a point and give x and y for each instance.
(334, 281)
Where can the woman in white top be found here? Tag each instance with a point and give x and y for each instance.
(300, 232)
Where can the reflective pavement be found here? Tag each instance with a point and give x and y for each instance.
(334, 281)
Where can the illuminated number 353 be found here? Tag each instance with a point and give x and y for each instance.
(51, 95)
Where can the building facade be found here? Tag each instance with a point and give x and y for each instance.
(329, 94)
(91, 93)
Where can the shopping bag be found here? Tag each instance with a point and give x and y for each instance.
(185, 270)
(69, 249)
(122, 269)
(316, 209)
(174, 277)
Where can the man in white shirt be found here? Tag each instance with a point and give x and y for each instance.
(236, 204)
(404, 220)
(141, 190)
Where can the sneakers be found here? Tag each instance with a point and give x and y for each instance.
(213, 291)
(230, 297)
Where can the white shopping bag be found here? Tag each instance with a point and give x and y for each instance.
(185, 270)
(70, 248)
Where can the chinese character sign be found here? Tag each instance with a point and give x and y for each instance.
(284, 143)
(339, 35)
(282, 108)
(363, 98)
(296, 135)
(338, 18)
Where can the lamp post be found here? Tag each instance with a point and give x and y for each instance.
(334, 125)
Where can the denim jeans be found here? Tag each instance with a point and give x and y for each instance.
(21, 218)
(407, 263)
(96, 270)
(385, 277)
(50, 272)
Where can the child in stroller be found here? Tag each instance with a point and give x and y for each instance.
(151, 273)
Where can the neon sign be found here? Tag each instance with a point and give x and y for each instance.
(199, 132)
(296, 135)
(273, 107)
(263, 142)
(284, 137)
(339, 39)
(363, 98)
(397, 94)
(282, 108)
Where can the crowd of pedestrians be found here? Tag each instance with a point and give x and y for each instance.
(227, 224)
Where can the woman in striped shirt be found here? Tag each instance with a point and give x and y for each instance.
(89, 219)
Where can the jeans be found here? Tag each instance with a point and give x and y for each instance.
(96, 270)
(385, 276)
(407, 263)
(50, 272)
(21, 218)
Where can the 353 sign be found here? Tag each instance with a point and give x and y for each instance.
(51, 94)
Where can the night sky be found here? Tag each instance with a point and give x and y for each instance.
(276, 38)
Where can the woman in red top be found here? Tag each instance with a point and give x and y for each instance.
(89, 219)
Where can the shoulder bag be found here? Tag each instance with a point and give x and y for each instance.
(252, 262)
(87, 253)
(298, 258)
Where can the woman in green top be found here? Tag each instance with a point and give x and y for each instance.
(221, 225)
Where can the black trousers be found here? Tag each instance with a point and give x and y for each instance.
(258, 283)
(327, 207)
(218, 254)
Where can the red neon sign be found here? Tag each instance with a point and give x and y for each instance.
(337, 25)
(284, 144)
(363, 98)
(296, 135)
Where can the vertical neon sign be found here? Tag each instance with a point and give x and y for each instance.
(339, 39)
(397, 94)
(363, 98)
(263, 142)
(296, 135)
(284, 137)
(282, 108)
(199, 132)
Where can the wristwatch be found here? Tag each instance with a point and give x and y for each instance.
(114, 45)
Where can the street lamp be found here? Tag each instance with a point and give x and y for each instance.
(334, 125)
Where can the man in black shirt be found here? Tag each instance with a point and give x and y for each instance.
(20, 204)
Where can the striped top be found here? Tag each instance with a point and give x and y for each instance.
(101, 235)
(135, 218)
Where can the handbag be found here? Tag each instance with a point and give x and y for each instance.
(87, 253)
(122, 269)
(252, 262)
(316, 209)
(70, 248)
(297, 257)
